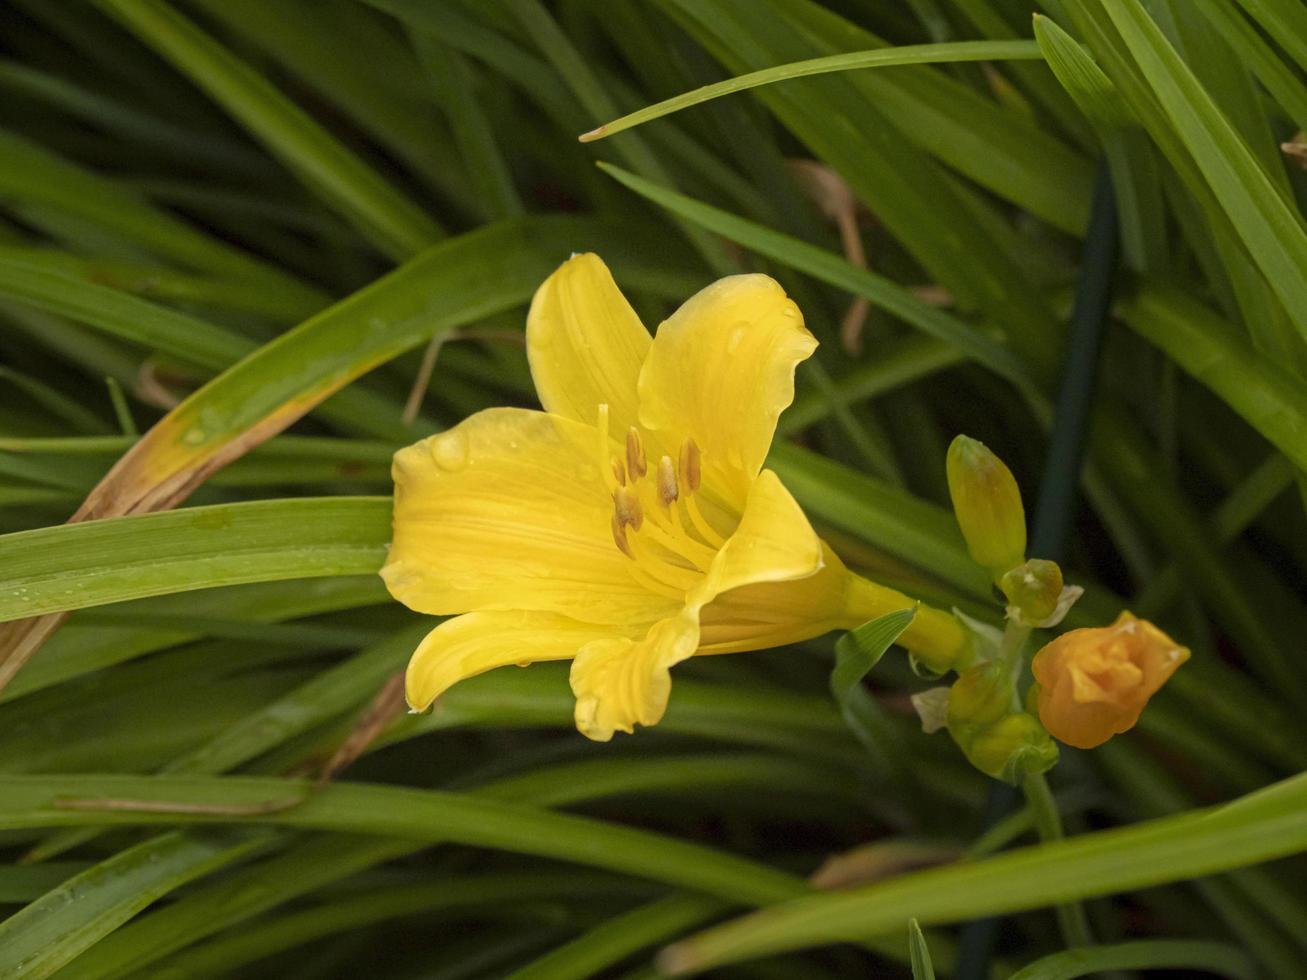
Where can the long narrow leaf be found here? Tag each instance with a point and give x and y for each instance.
(912, 54)
(1264, 825)
(96, 562)
(394, 223)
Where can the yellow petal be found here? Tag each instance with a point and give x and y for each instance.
(771, 614)
(468, 645)
(773, 543)
(585, 344)
(720, 371)
(507, 511)
(620, 683)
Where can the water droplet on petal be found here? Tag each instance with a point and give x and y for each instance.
(449, 451)
(736, 337)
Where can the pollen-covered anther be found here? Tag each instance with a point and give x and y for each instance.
(627, 509)
(635, 461)
(619, 537)
(667, 489)
(619, 472)
(690, 466)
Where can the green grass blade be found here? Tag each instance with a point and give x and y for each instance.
(1179, 954)
(82, 647)
(906, 362)
(349, 59)
(835, 270)
(395, 224)
(64, 409)
(389, 811)
(268, 935)
(1076, 70)
(310, 865)
(47, 934)
(612, 941)
(23, 883)
(922, 969)
(160, 283)
(120, 314)
(1283, 85)
(328, 694)
(455, 282)
(32, 174)
(591, 92)
(1267, 224)
(873, 131)
(856, 653)
(96, 562)
(300, 868)
(143, 128)
(454, 83)
(912, 54)
(1262, 391)
(1285, 21)
(1258, 827)
(924, 534)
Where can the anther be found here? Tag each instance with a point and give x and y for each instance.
(626, 508)
(667, 491)
(619, 537)
(691, 471)
(619, 472)
(635, 461)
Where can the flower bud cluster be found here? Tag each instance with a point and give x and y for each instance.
(1090, 684)
(996, 736)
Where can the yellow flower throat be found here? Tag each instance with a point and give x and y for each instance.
(657, 521)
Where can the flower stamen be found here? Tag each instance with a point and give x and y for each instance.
(667, 489)
(627, 508)
(635, 461)
(691, 466)
(700, 523)
(619, 537)
(670, 575)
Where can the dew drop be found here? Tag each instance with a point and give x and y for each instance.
(193, 437)
(736, 337)
(449, 451)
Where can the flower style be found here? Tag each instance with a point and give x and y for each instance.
(630, 524)
(1093, 683)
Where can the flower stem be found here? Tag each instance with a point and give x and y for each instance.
(1071, 918)
(933, 636)
(1012, 656)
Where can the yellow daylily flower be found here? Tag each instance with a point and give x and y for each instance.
(630, 524)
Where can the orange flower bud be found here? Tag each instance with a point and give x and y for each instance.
(1093, 683)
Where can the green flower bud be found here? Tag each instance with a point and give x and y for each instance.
(987, 504)
(1014, 747)
(979, 697)
(1033, 588)
(996, 737)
